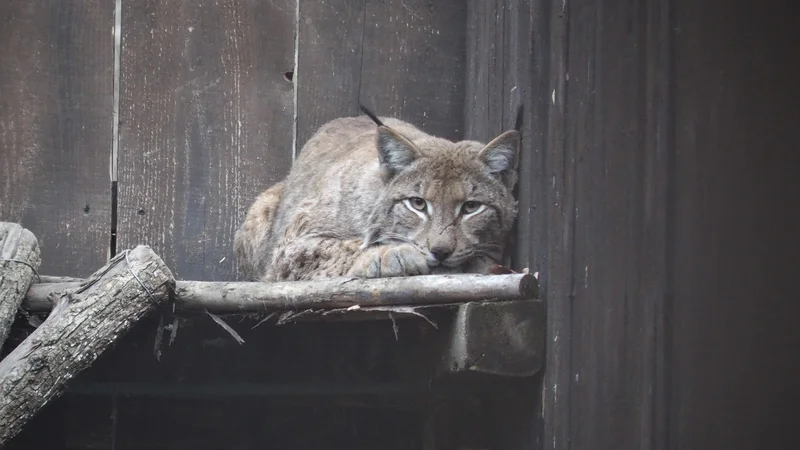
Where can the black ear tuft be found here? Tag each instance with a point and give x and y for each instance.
(518, 121)
(371, 115)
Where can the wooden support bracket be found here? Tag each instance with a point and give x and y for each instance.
(497, 338)
(82, 324)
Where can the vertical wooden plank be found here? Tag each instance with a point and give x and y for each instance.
(527, 83)
(734, 347)
(656, 222)
(621, 201)
(483, 115)
(329, 62)
(602, 172)
(56, 80)
(557, 276)
(207, 123)
(604, 275)
(400, 58)
(414, 63)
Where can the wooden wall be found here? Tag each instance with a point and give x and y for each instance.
(211, 110)
(657, 193)
(56, 89)
(211, 102)
(661, 159)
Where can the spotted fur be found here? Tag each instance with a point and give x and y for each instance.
(377, 201)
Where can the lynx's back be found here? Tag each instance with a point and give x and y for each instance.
(388, 200)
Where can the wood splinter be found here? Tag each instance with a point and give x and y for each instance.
(81, 326)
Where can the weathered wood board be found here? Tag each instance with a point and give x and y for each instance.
(400, 58)
(329, 63)
(206, 124)
(485, 89)
(414, 59)
(56, 97)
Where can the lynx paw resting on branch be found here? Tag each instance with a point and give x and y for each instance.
(390, 261)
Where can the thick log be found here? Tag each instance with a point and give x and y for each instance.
(19, 261)
(52, 279)
(336, 293)
(83, 324)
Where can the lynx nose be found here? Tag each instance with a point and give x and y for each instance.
(441, 253)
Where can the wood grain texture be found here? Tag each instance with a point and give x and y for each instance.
(55, 127)
(329, 54)
(606, 104)
(658, 200)
(19, 260)
(528, 83)
(515, 54)
(206, 124)
(414, 60)
(735, 254)
(485, 74)
(83, 324)
(400, 58)
(332, 293)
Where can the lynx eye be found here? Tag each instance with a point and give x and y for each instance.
(417, 203)
(470, 207)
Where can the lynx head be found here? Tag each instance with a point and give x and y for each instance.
(452, 200)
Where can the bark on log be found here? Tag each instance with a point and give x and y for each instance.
(250, 297)
(19, 261)
(83, 324)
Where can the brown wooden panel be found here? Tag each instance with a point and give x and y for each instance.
(606, 169)
(606, 98)
(735, 340)
(56, 86)
(329, 63)
(400, 58)
(413, 63)
(508, 65)
(207, 123)
(485, 74)
(672, 315)
(559, 210)
(528, 83)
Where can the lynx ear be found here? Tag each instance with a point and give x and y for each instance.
(501, 156)
(395, 152)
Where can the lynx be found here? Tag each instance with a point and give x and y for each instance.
(377, 197)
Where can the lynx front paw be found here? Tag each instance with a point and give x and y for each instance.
(390, 261)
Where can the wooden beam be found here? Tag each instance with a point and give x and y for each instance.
(497, 338)
(335, 293)
(19, 261)
(82, 325)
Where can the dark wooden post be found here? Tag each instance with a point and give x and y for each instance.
(19, 261)
(82, 324)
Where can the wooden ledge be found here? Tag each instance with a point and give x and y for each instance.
(486, 324)
(335, 293)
